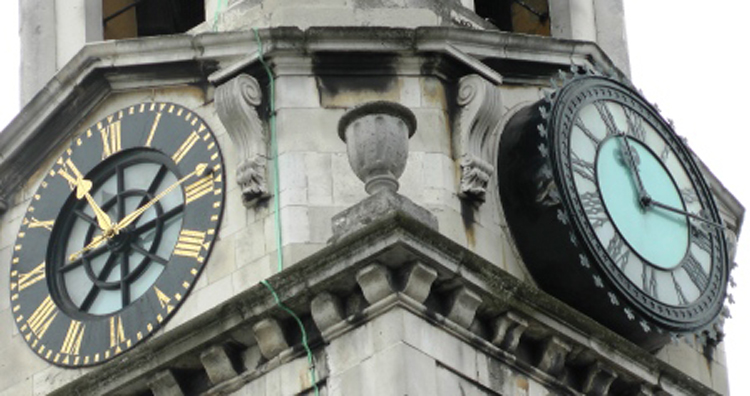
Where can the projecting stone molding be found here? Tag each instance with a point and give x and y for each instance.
(399, 280)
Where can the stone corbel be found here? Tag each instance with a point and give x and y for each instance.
(375, 282)
(218, 364)
(478, 118)
(553, 357)
(327, 310)
(419, 282)
(598, 379)
(463, 306)
(164, 383)
(508, 329)
(270, 337)
(236, 104)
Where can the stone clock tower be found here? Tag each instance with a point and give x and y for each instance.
(352, 197)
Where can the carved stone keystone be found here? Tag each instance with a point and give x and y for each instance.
(508, 330)
(270, 336)
(327, 310)
(479, 114)
(217, 364)
(236, 103)
(419, 282)
(463, 306)
(554, 352)
(377, 142)
(164, 383)
(598, 379)
(375, 281)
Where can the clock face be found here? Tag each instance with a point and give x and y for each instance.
(117, 234)
(611, 213)
(641, 204)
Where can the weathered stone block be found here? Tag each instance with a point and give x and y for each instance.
(217, 364)
(379, 206)
(164, 383)
(270, 337)
(508, 329)
(326, 310)
(419, 282)
(375, 281)
(463, 306)
(553, 356)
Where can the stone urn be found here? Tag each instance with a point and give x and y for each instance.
(377, 142)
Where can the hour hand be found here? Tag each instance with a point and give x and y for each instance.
(83, 187)
(630, 161)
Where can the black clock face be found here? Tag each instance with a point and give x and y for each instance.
(117, 234)
(611, 213)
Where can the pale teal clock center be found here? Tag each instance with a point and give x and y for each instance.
(659, 236)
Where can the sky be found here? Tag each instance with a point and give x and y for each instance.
(687, 57)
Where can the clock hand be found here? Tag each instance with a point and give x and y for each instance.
(643, 197)
(92, 245)
(651, 202)
(127, 220)
(83, 186)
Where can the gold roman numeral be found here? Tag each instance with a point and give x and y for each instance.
(198, 189)
(34, 223)
(190, 243)
(110, 139)
(163, 300)
(31, 277)
(153, 129)
(72, 343)
(185, 148)
(42, 318)
(116, 333)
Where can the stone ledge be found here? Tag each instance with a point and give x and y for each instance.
(398, 242)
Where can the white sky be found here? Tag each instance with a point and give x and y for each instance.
(687, 56)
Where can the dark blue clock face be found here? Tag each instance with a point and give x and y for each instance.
(117, 233)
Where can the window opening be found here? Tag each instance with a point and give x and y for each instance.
(517, 16)
(140, 18)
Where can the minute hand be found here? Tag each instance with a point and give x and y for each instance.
(686, 213)
(127, 220)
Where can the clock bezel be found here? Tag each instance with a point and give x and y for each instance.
(568, 101)
(93, 335)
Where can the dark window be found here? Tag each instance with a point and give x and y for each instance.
(139, 18)
(517, 16)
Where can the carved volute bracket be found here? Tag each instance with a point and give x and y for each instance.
(236, 104)
(478, 118)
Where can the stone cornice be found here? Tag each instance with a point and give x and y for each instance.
(212, 58)
(393, 263)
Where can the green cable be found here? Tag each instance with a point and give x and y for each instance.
(274, 153)
(216, 14)
(310, 362)
(277, 218)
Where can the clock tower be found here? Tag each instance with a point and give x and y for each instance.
(352, 197)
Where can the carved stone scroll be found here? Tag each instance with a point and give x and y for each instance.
(478, 118)
(236, 104)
